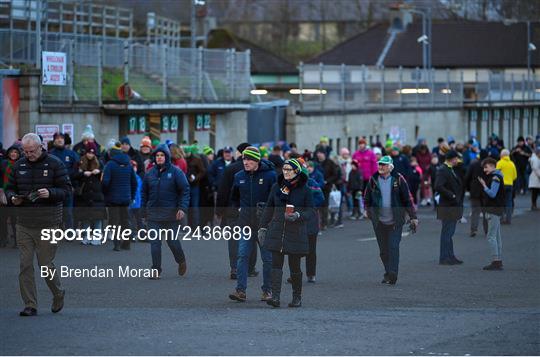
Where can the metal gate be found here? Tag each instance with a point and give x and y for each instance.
(266, 122)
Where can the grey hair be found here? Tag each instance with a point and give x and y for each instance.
(31, 138)
(505, 152)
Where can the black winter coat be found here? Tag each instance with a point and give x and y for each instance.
(284, 236)
(26, 177)
(89, 198)
(450, 187)
(471, 182)
(223, 202)
(332, 174)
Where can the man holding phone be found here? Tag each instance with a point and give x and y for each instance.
(37, 209)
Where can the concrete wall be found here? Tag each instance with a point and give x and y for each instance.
(29, 115)
(231, 129)
(306, 130)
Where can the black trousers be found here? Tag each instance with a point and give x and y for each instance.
(278, 259)
(534, 195)
(119, 216)
(311, 258)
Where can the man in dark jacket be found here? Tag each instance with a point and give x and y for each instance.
(195, 175)
(38, 185)
(217, 168)
(133, 154)
(493, 204)
(472, 185)
(250, 191)
(71, 162)
(229, 215)
(520, 156)
(276, 157)
(401, 164)
(388, 201)
(165, 198)
(449, 189)
(119, 186)
(332, 177)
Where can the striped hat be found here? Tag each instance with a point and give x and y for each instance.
(252, 153)
(207, 150)
(295, 164)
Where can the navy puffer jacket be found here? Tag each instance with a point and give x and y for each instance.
(251, 189)
(119, 181)
(165, 190)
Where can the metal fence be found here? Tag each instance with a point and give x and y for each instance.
(334, 87)
(97, 68)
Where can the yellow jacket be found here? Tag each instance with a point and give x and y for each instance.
(508, 169)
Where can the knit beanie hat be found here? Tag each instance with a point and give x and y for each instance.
(90, 147)
(146, 142)
(125, 140)
(295, 164)
(207, 150)
(252, 153)
(88, 132)
(264, 151)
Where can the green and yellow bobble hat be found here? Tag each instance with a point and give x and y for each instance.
(264, 151)
(251, 153)
(207, 150)
(298, 166)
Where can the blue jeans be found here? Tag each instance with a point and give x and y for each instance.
(388, 238)
(92, 224)
(194, 203)
(244, 252)
(447, 245)
(174, 244)
(509, 203)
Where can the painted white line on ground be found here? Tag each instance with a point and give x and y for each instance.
(404, 234)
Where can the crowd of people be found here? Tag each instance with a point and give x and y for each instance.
(288, 197)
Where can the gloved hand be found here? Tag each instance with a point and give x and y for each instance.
(261, 235)
(292, 216)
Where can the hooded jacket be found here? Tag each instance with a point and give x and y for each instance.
(165, 190)
(508, 169)
(119, 181)
(249, 190)
(6, 166)
(284, 236)
(367, 162)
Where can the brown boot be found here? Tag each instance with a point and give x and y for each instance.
(182, 268)
(238, 295)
